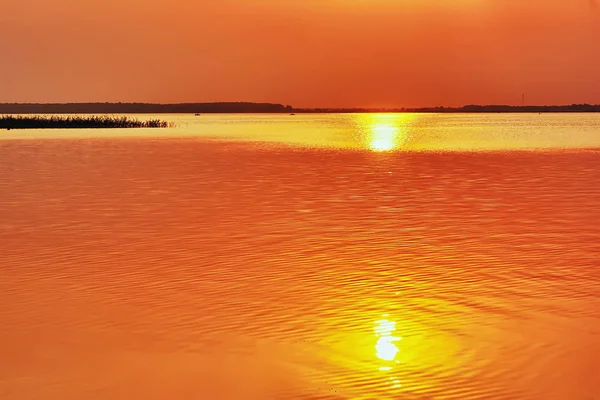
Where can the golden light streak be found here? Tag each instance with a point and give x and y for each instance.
(385, 347)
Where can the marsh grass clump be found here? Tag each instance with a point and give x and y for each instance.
(70, 122)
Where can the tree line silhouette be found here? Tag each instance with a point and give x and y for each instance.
(472, 108)
(141, 108)
(245, 107)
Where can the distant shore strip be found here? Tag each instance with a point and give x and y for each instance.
(81, 122)
(268, 108)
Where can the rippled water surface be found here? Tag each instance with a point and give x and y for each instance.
(303, 257)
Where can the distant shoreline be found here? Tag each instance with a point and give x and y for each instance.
(270, 108)
(470, 109)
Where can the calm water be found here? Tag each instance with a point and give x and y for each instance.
(303, 257)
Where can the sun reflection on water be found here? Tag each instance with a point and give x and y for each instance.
(386, 131)
(386, 349)
(384, 137)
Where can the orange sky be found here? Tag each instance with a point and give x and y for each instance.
(321, 53)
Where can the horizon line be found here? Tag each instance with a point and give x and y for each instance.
(288, 106)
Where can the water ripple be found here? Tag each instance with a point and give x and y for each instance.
(179, 268)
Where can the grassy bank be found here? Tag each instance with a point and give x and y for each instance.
(71, 122)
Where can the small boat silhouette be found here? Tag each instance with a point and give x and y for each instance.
(292, 114)
(197, 114)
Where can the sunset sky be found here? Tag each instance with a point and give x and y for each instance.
(308, 53)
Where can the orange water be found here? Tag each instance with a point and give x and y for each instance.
(251, 268)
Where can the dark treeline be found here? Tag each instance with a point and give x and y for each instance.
(464, 109)
(241, 107)
(492, 108)
(141, 108)
(56, 122)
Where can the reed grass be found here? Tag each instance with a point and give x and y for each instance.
(71, 122)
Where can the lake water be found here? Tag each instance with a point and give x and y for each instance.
(303, 257)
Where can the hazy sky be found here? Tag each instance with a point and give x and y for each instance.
(330, 53)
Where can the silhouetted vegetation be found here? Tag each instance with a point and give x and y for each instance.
(141, 108)
(103, 121)
(465, 109)
(241, 107)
